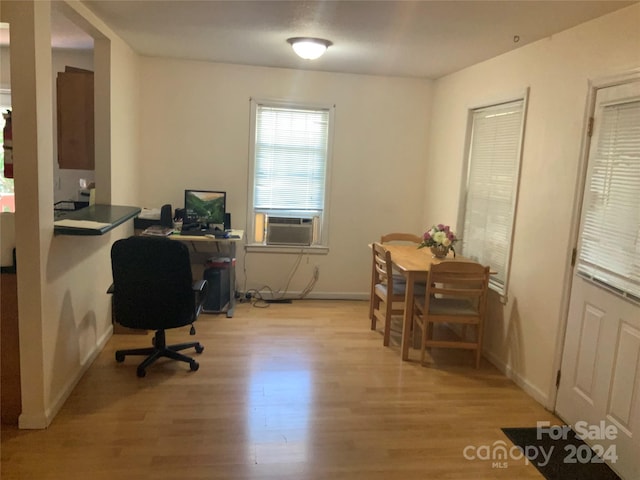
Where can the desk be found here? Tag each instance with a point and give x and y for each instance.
(414, 264)
(235, 236)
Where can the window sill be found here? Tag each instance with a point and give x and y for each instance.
(312, 250)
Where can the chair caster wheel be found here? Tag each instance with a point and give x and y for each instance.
(194, 365)
(119, 357)
(141, 372)
(199, 348)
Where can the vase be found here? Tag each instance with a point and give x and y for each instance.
(439, 251)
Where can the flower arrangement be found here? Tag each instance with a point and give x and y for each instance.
(439, 238)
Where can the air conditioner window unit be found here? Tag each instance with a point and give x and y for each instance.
(289, 231)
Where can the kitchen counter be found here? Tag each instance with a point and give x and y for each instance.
(93, 220)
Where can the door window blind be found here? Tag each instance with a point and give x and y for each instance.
(492, 184)
(610, 237)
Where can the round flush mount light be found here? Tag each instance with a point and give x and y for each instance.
(309, 48)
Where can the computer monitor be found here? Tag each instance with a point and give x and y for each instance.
(205, 207)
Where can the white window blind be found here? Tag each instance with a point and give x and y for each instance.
(492, 185)
(290, 158)
(610, 237)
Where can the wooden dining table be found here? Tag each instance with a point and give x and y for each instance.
(414, 264)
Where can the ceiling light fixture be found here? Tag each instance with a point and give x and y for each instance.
(309, 48)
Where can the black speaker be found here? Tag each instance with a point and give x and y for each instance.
(180, 213)
(166, 216)
(227, 221)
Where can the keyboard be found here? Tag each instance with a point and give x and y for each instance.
(196, 232)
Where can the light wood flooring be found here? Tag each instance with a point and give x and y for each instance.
(294, 391)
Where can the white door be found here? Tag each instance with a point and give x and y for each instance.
(599, 391)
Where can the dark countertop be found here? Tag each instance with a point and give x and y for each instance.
(93, 220)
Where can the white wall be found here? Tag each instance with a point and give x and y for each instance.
(195, 134)
(521, 335)
(64, 312)
(78, 320)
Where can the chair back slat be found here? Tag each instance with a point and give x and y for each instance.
(457, 292)
(400, 237)
(382, 262)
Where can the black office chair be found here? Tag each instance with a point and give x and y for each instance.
(153, 290)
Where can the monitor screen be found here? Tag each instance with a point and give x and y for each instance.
(204, 207)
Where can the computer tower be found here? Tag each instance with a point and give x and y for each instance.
(219, 289)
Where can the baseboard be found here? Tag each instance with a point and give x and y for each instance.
(33, 422)
(518, 379)
(330, 295)
(41, 421)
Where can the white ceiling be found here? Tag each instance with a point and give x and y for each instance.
(385, 37)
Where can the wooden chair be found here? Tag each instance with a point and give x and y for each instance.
(401, 238)
(385, 291)
(456, 294)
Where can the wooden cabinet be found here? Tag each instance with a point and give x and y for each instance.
(74, 89)
(10, 394)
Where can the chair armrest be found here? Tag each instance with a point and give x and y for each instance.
(199, 286)
(111, 289)
(200, 289)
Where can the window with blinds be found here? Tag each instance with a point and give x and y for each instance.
(493, 170)
(290, 152)
(610, 233)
